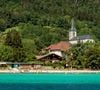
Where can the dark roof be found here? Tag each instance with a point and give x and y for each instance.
(81, 37)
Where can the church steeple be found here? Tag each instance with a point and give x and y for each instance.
(73, 25)
(73, 31)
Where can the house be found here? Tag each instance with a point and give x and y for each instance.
(56, 51)
(74, 39)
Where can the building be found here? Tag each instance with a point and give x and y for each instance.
(74, 39)
(56, 51)
(20, 66)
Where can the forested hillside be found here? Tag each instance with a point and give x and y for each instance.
(38, 14)
(43, 22)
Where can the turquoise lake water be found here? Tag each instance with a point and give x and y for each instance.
(44, 81)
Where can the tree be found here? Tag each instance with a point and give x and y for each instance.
(85, 56)
(6, 53)
(13, 39)
(19, 55)
(93, 57)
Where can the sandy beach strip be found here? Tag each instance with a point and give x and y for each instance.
(50, 71)
(65, 71)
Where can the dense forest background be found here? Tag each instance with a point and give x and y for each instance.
(43, 22)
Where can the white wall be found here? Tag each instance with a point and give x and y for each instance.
(73, 42)
(57, 52)
(87, 40)
(72, 34)
(82, 41)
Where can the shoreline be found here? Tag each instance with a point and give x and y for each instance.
(50, 71)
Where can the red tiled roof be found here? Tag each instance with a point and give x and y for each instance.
(63, 46)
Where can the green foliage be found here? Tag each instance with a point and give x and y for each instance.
(13, 39)
(93, 55)
(6, 53)
(19, 55)
(42, 36)
(29, 46)
(47, 22)
(53, 13)
(30, 50)
(85, 56)
(44, 22)
(9, 54)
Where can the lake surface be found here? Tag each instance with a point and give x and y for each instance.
(44, 81)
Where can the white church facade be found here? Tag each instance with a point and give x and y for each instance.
(75, 39)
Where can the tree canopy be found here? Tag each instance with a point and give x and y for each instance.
(85, 56)
(27, 26)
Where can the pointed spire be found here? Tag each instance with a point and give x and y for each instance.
(73, 25)
(72, 22)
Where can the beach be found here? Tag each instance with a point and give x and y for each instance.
(49, 71)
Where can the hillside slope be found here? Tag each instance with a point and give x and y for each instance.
(48, 21)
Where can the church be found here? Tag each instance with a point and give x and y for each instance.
(75, 39)
(57, 51)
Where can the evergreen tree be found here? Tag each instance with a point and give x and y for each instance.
(13, 39)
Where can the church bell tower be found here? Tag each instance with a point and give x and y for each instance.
(73, 31)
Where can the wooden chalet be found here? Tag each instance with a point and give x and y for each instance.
(55, 52)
